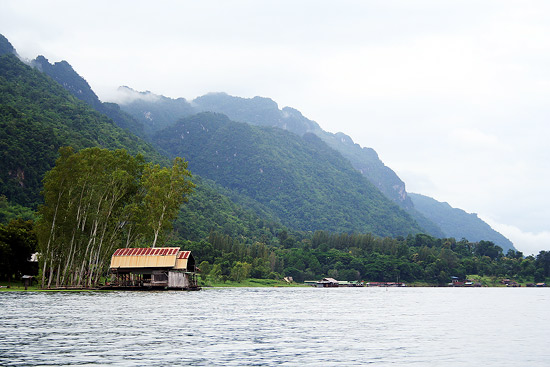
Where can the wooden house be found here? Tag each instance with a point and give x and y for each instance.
(161, 267)
(327, 283)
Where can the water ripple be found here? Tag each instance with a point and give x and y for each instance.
(276, 327)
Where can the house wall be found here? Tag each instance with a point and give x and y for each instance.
(178, 279)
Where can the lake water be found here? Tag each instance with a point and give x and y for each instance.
(278, 326)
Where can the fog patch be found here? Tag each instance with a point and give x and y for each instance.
(530, 243)
(126, 95)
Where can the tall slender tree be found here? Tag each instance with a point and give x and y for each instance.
(165, 192)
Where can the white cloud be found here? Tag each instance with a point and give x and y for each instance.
(474, 136)
(530, 243)
(124, 95)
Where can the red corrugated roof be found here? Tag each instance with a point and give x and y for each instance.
(159, 251)
(183, 254)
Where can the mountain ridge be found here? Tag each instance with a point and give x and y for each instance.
(262, 111)
(38, 116)
(458, 223)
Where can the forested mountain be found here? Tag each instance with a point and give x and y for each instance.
(457, 223)
(66, 76)
(157, 111)
(37, 116)
(265, 112)
(308, 185)
(6, 47)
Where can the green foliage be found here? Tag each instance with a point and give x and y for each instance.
(17, 244)
(419, 258)
(210, 209)
(240, 271)
(9, 211)
(166, 189)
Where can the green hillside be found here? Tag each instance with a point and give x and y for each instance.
(37, 116)
(255, 177)
(265, 112)
(457, 223)
(308, 185)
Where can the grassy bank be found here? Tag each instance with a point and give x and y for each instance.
(20, 287)
(251, 282)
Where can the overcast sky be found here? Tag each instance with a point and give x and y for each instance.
(453, 95)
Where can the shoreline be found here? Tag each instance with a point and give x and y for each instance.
(19, 288)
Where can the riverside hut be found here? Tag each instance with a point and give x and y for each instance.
(161, 267)
(327, 283)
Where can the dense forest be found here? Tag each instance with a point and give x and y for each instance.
(419, 259)
(416, 258)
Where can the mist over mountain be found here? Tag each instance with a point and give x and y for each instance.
(63, 73)
(457, 223)
(153, 111)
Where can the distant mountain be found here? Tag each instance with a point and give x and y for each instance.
(155, 112)
(457, 223)
(308, 185)
(63, 73)
(257, 111)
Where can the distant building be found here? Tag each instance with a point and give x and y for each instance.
(327, 282)
(161, 267)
